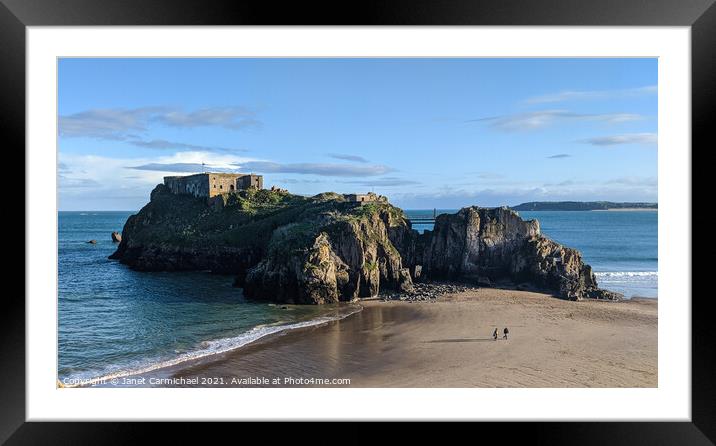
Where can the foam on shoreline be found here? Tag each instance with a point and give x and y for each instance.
(626, 274)
(630, 283)
(210, 348)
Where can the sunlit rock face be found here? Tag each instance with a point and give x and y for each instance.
(324, 249)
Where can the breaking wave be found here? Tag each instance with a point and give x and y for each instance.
(630, 283)
(210, 348)
(626, 274)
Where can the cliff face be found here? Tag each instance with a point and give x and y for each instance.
(552, 266)
(228, 234)
(476, 242)
(322, 249)
(281, 247)
(488, 245)
(335, 258)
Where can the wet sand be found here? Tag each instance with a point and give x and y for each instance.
(448, 343)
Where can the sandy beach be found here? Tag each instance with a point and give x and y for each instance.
(448, 343)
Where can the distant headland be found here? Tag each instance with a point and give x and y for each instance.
(582, 206)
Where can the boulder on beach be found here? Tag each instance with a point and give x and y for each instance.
(116, 237)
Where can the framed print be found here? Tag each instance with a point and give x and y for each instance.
(486, 216)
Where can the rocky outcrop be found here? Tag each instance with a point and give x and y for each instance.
(279, 246)
(476, 242)
(348, 256)
(484, 245)
(183, 233)
(116, 237)
(551, 266)
(323, 249)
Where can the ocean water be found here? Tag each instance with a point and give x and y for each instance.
(117, 322)
(621, 246)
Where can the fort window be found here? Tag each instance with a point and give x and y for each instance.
(221, 186)
(231, 187)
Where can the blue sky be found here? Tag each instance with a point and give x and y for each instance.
(427, 133)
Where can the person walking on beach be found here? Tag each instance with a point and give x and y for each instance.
(494, 334)
(505, 332)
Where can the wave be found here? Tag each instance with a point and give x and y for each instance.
(623, 274)
(210, 348)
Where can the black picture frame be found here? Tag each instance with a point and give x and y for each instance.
(700, 15)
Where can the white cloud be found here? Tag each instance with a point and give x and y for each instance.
(564, 96)
(298, 181)
(629, 138)
(618, 189)
(99, 176)
(383, 182)
(636, 181)
(234, 118)
(544, 118)
(114, 124)
(124, 124)
(354, 158)
(322, 169)
(180, 167)
(173, 145)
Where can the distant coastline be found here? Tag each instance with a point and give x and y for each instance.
(584, 206)
(625, 210)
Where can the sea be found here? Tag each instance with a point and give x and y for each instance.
(116, 322)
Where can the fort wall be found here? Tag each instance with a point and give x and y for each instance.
(211, 184)
(196, 185)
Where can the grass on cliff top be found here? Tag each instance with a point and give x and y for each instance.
(368, 210)
(248, 219)
(254, 202)
(324, 213)
(293, 237)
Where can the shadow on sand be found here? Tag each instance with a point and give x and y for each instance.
(462, 340)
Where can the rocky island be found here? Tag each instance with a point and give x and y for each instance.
(330, 248)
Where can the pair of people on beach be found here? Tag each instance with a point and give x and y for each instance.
(505, 332)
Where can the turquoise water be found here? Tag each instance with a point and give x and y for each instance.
(115, 321)
(621, 246)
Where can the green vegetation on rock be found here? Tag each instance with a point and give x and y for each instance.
(288, 248)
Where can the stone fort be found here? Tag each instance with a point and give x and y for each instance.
(362, 199)
(210, 184)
